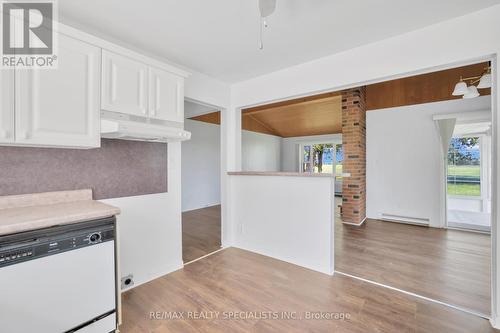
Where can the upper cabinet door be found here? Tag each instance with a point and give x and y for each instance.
(6, 106)
(124, 85)
(60, 107)
(166, 95)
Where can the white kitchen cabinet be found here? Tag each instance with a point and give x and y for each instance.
(60, 107)
(166, 95)
(6, 106)
(124, 85)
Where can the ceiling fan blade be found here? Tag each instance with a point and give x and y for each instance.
(267, 7)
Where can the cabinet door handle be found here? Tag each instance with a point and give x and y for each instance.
(141, 92)
(113, 82)
(157, 95)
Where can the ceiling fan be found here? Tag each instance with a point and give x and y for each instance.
(266, 8)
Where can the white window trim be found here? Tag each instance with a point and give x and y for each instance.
(310, 143)
(484, 173)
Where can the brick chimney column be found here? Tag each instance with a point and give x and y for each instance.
(354, 146)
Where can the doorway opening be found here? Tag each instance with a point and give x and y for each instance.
(469, 177)
(201, 179)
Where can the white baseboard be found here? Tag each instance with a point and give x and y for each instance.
(494, 323)
(405, 219)
(327, 271)
(201, 207)
(154, 277)
(355, 224)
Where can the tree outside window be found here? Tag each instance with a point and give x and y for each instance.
(321, 158)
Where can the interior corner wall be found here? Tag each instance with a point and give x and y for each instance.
(403, 152)
(260, 152)
(207, 90)
(201, 166)
(149, 227)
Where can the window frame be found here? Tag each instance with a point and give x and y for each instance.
(482, 179)
(310, 143)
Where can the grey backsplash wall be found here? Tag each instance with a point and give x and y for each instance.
(118, 169)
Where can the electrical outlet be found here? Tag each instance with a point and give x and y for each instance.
(127, 281)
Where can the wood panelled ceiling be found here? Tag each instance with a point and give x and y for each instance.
(307, 117)
(314, 115)
(212, 118)
(322, 114)
(425, 88)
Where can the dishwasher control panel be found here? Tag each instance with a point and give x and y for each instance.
(45, 242)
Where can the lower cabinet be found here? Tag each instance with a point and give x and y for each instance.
(61, 107)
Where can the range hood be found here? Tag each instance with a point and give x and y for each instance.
(141, 131)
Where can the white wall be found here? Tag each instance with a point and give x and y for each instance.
(290, 149)
(208, 90)
(404, 159)
(288, 218)
(260, 152)
(150, 231)
(263, 152)
(201, 166)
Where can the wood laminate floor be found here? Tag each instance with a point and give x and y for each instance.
(234, 282)
(447, 265)
(201, 229)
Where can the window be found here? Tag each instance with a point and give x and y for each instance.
(340, 158)
(306, 160)
(464, 167)
(319, 158)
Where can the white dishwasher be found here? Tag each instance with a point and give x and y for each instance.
(60, 279)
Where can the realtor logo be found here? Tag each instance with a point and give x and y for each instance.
(28, 34)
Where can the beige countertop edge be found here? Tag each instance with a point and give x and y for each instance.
(21, 219)
(281, 174)
(44, 198)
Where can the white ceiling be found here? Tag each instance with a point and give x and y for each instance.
(220, 37)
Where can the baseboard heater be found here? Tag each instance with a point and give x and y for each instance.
(405, 219)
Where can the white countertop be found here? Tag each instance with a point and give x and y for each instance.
(19, 213)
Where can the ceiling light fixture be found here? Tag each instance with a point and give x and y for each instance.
(485, 81)
(266, 8)
(471, 92)
(461, 88)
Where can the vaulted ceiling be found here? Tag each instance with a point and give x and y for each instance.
(314, 116)
(322, 114)
(220, 37)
